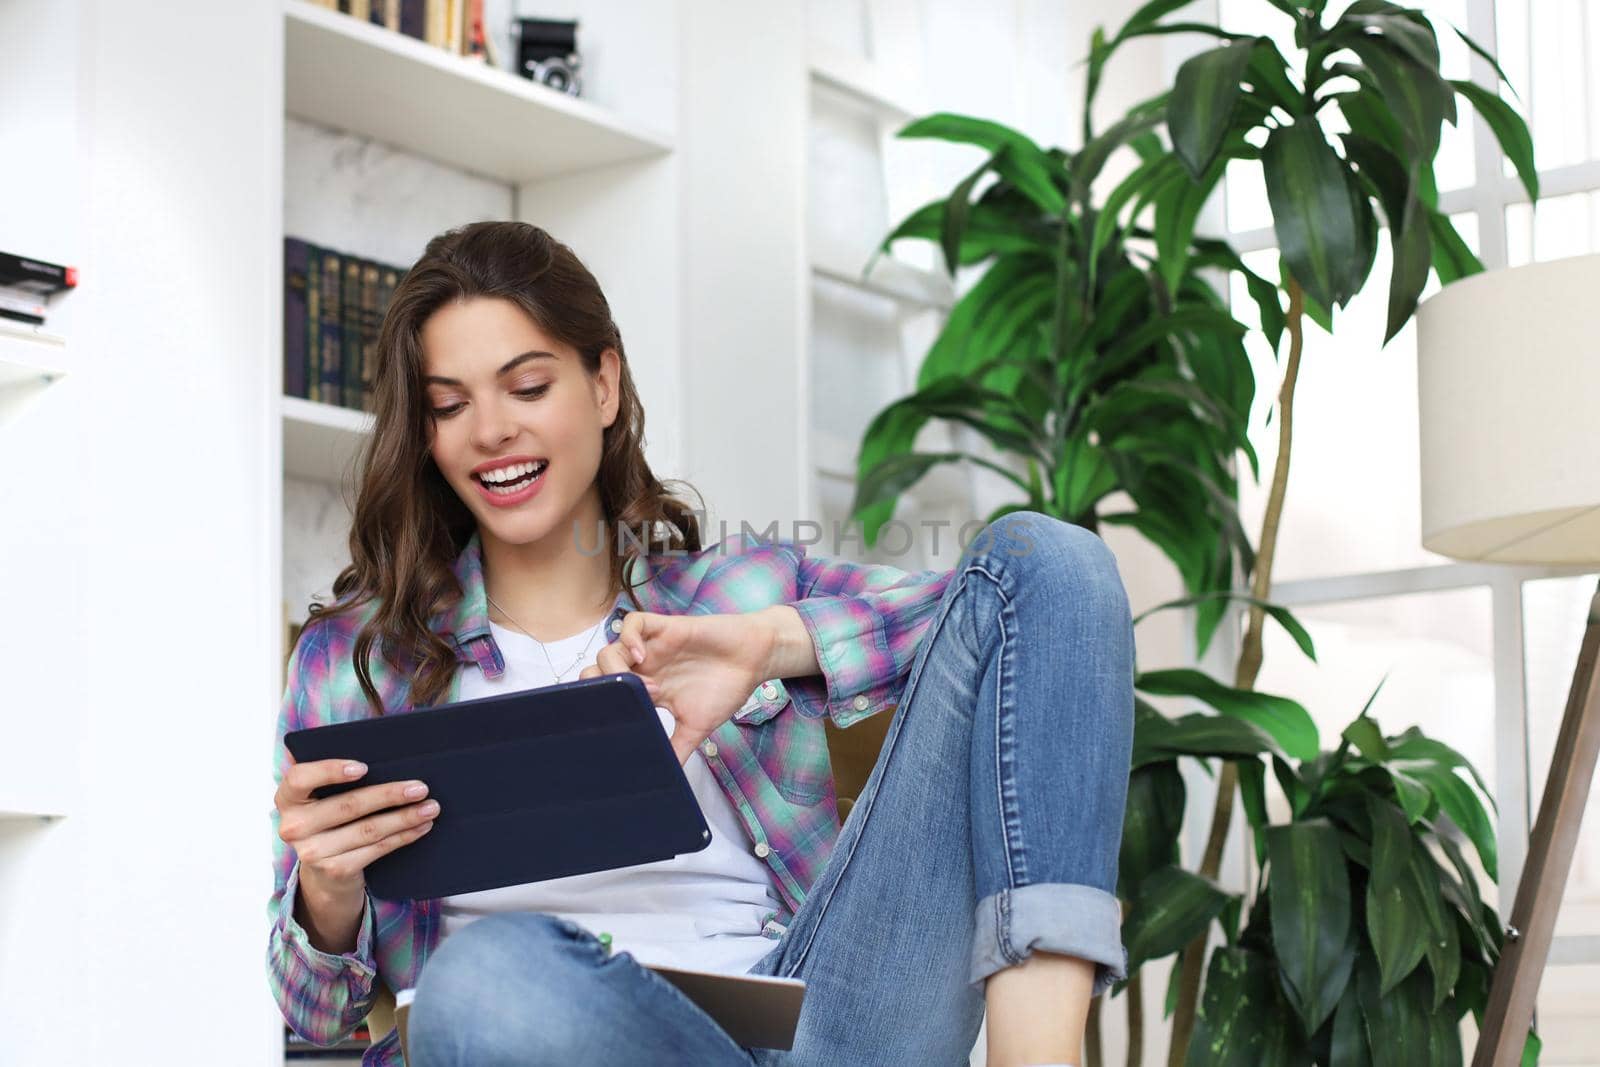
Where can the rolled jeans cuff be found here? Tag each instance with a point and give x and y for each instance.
(1072, 920)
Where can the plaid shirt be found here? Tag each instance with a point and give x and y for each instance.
(771, 758)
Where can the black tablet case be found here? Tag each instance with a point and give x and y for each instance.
(563, 780)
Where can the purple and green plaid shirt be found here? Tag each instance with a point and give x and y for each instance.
(771, 758)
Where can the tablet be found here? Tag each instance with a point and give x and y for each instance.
(545, 783)
(756, 1011)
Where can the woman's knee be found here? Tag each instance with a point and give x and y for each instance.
(487, 981)
(1064, 563)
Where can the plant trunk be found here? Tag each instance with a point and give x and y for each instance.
(1135, 995)
(1249, 667)
(1093, 1053)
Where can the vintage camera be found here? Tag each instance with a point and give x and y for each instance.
(547, 52)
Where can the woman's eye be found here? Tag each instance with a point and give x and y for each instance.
(533, 393)
(447, 411)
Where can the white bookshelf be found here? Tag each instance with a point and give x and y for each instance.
(15, 811)
(353, 76)
(864, 82)
(889, 277)
(40, 212)
(321, 441)
(29, 355)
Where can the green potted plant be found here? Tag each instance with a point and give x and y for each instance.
(1347, 136)
(1044, 360)
(1364, 940)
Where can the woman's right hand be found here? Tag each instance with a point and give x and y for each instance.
(336, 837)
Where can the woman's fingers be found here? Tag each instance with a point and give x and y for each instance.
(613, 659)
(300, 821)
(638, 629)
(301, 778)
(344, 841)
(348, 865)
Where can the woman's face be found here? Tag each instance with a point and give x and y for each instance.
(517, 420)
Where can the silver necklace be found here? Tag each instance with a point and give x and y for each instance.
(598, 627)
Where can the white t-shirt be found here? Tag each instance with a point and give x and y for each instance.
(703, 910)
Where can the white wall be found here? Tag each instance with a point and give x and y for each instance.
(742, 150)
(138, 918)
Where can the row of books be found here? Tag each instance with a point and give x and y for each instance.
(27, 284)
(297, 1048)
(455, 25)
(333, 308)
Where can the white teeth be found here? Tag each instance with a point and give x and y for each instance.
(515, 473)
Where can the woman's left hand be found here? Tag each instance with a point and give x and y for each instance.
(701, 668)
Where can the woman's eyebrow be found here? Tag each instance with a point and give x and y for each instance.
(512, 364)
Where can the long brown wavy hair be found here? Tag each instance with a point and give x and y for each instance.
(409, 525)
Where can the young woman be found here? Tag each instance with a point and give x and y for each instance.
(976, 871)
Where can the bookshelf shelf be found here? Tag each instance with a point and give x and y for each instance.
(29, 355)
(862, 81)
(364, 79)
(320, 441)
(888, 277)
(13, 815)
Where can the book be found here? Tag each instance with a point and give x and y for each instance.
(295, 255)
(371, 324)
(35, 275)
(475, 39)
(333, 309)
(20, 305)
(452, 26)
(329, 323)
(388, 280)
(350, 334)
(413, 16)
(438, 22)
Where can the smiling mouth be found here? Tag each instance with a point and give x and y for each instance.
(513, 479)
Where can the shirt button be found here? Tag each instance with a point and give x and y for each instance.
(710, 749)
(860, 703)
(763, 849)
(769, 690)
(616, 626)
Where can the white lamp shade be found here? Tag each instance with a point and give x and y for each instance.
(1508, 381)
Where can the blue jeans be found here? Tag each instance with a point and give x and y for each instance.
(988, 830)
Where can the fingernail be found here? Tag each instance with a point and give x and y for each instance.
(416, 790)
(354, 770)
(430, 808)
(638, 654)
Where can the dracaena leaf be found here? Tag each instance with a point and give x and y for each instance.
(1310, 896)
(1243, 1020)
(1205, 93)
(1413, 258)
(1395, 920)
(1282, 718)
(1150, 826)
(1200, 736)
(1452, 259)
(1173, 907)
(1314, 216)
(1509, 130)
(1415, 94)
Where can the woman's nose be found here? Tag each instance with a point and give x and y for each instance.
(492, 428)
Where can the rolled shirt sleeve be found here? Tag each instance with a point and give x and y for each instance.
(866, 622)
